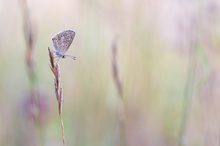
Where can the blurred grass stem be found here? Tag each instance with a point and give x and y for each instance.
(188, 94)
(118, 84)
(30, 41)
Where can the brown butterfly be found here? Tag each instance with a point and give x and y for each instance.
(62, 41)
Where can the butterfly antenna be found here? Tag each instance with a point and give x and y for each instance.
(72, 57)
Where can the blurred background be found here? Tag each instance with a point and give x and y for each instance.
(147, 73)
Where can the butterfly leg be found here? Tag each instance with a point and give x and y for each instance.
(57, 59)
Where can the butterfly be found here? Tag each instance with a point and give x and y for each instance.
(61, 42)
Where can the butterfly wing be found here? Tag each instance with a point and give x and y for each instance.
(63, 40)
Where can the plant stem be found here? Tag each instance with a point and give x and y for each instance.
(119, 87)
(58, 89)
(62, 128)
(188, 94)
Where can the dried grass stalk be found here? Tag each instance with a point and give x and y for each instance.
(55, 68)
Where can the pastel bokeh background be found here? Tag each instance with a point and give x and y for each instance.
(168, 60)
